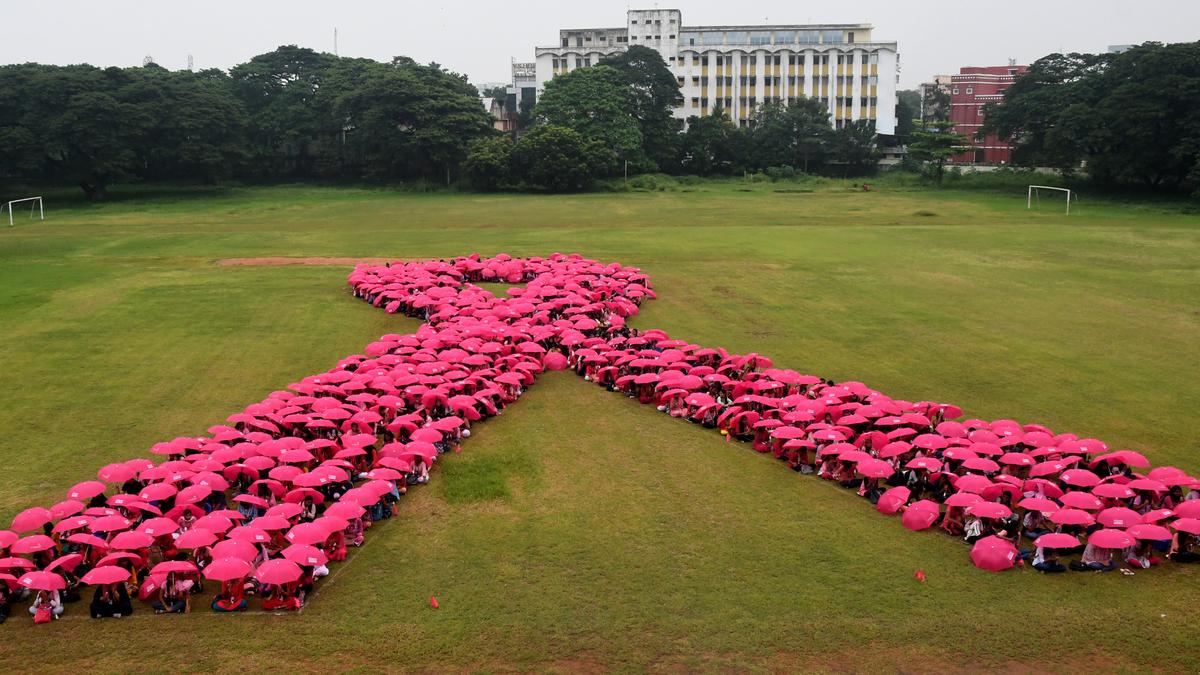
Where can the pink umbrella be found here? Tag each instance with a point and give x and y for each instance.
(1080, 478)
(278, 571)
(920, 515)
(1189, 525)
(927, 463)
(993, 554)
(109, 524)
(1110, 539)
(65, 509)
(1118, 517)
(107, 574)
(1151, 532)
(1081, 500)
(158, 526)
(31, 519)
(195, 538)
(86, 539)
(891, 501)
(158, 491)
(305, 555)
(32, 544)
(1188, 509)
(874, 468)
(257, 502)
(1039, 504)
(1057, 541)
(86, 490)
(249, 533)
(233, 548)
(114, 558)
(1071, 517)
(177, 566)
(227, 569)
(972, 483)
(43, 581)
(989, 510)
(1112, 491)
(67, 562)
(16, 563)
(307, 533)
(963, 499)
(129, 541)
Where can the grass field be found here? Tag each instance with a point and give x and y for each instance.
(580, 531)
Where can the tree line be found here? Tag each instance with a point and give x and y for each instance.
(290, 114)
(1131, 118)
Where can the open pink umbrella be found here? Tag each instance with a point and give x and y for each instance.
(1150, 532)
(1108, 538)
(1189, 525)
(86, 490)
(108, 574)
(1188, 509)
(114, 558)
(233, 548)
(13, 563)
(1071, 517)
(85, 539)
(32, 544)
(42, 581)
(1042, 504)
(1112, 491)
(1056, 540)
(989, 510)
(307, 533)
(67, 562)
(305, 555)
(1080, 478)
(891, 501)
(177, 566)
(158, 526)
(278, 571)
(109, 524)
(963, 499)
(1118, 517)
(972, 483)
(1081, 500)
(228, 569)
(920, 515)
(195, 538)
(249, 533)
(993, 554)
(31, 519)
(131, 541)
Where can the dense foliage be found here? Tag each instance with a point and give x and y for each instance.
(290, 114)
(1129, 117)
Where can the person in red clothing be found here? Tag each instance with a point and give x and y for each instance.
(232, 597)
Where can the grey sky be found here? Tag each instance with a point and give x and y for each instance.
(479, 38)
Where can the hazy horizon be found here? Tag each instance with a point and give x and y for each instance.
(481, 39)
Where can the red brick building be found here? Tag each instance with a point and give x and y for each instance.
(970, 91)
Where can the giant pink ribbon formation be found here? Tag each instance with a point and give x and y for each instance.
(312, 466)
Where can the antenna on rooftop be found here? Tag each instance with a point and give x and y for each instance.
(191, 63)
(335, 46)
(147, 60)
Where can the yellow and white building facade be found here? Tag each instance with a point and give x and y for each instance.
(739, 68)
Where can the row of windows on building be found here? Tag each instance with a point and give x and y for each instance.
(751, 101)
(776, 80)
(777, 59)
(766, 37)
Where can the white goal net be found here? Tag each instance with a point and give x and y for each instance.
(1034, 196)
(35, 206)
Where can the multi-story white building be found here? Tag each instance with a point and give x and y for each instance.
(738, 68)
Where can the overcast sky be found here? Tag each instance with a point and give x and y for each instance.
(480, 38)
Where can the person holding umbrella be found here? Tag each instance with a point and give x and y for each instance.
(232, 597)
(5, 597)
(111, 601)
(1095, 558)
(46, 606)
(173, 595)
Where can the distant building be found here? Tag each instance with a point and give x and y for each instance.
(939, 83)
(739, 68)
(500, 121)
(971, 90)
(1119, 49)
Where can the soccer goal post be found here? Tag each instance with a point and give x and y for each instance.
(35, 204)
(1035, 195)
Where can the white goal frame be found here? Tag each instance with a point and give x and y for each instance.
(1034, 192)
(39, 206)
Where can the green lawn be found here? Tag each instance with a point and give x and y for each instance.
(580, 531)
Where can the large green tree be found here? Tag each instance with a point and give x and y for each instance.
(708, 146)
(596, 103)
(797, 134)
(655, 95)
(558, 159)
(855, 148)
(935, 145)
